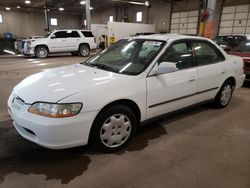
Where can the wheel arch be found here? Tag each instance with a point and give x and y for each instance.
(42, 45)
(84, 43)
(232, 80)
(126, 102)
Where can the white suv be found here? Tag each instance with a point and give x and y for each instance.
(78, 42)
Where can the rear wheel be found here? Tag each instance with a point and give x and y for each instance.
(84, 50)
(113, 129)
(41, 52)
(224, 96)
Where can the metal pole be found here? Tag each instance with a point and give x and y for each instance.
(88, 16)
(46, 17)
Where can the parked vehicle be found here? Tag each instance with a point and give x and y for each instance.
(103, 100)
(78, 42)
(227, 42)
(19, 43)
(243, 50)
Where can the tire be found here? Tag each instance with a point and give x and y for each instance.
(41, 52)
(224, 96)
(113, 129)
(84, 50)
(74, 53)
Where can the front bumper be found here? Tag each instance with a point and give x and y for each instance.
(28, 50)
(53, 133)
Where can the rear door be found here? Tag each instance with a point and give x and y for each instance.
(72, 40)
(212, 69)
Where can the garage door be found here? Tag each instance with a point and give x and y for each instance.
(235, 20)
(185, 22)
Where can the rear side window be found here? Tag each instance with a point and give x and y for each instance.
(73, 34)
(205, 53)
(87, 34)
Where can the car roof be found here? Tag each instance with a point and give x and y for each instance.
(166, 37)
(72, 30)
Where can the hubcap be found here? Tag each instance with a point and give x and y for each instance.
(42, 53)
(85, 52)
(115, 130)
(226, 95)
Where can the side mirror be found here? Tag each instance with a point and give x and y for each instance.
(166, 67)
(52, 37)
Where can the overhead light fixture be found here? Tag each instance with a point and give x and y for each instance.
(48, 9)
(7, 8)
(83, 2)
(133, 2)
(18, 7)
(91, 8)
(27, 2)
(61, 9)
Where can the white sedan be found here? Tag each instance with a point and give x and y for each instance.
(104, 99)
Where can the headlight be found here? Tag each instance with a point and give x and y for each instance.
(55, 110)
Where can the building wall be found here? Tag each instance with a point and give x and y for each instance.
(159, 13)
(102, 16)
(24, 24)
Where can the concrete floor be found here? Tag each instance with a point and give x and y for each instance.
(199, 147)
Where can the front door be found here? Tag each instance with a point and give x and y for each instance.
(175, 90)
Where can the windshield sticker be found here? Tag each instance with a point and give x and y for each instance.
(153, 43)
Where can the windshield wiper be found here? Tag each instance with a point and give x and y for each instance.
(101, 66)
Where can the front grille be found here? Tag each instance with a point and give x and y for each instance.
(23, 42)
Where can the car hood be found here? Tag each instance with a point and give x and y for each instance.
(55, 84)
(244, 55)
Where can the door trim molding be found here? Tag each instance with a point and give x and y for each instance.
(183, 97)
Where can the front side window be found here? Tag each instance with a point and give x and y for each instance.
(60, 34)
(180, 54)
(206, 53)
(129, 56)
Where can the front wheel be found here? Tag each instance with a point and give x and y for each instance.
(113, 129)
(41, 52)
(224, 96)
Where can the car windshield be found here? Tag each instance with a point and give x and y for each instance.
(47, 35)
(243, 47)
(129, 56)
